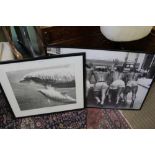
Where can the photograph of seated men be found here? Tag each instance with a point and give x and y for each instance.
(119, 84)
(116, 79)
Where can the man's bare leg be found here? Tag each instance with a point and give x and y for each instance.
(97, 100)
(118, 95)
(103, 93)
(125, 94)
(109, 96)
(134, 92)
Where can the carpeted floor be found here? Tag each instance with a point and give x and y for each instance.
(79, 119)
(105, 119)
(144, 118)
(64, 120)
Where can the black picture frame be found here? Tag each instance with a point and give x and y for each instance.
(81, 105)
(108, 50)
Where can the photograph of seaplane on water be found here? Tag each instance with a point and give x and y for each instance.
(115, 79)
(44, 86)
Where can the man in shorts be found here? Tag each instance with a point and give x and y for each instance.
(131, 85)
(100, 89)
(91, 74)
(117, 85)
(98, 86)
(116, 88)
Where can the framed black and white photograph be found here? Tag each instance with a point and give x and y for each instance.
(44, 85)
(115, 79)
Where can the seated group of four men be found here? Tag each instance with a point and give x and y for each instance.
(113, 86)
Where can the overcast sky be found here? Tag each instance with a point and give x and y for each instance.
(98, 54)
(103, 54)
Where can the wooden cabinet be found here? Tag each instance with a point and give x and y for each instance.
(91, 37)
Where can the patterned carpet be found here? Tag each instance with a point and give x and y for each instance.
(64, 120)
(105, 119)
(79, 119)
